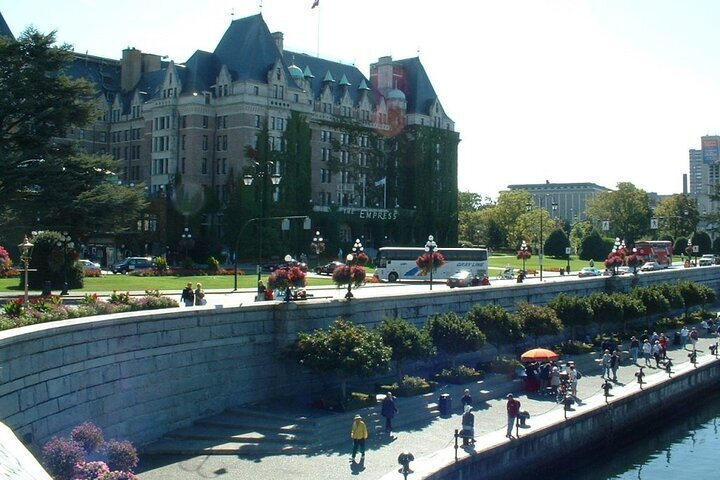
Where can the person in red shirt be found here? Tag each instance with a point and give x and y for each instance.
(513, 411)
(663, 346)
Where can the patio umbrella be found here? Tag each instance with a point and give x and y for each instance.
(539, 354)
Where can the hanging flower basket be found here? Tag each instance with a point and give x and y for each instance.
(523, 254)
(284, 278)
(347, 274)
(430, 261)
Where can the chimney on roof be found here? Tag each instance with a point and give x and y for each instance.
(381, 74)
(278, 37)
(130, 69)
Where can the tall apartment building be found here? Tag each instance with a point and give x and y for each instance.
(372, 158)
(704, 165)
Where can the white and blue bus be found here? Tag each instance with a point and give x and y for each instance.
(398, 263)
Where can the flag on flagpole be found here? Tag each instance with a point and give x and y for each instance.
(315, 3)
(380, 182)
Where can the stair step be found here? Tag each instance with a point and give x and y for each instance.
(201, 447)
(225, 434)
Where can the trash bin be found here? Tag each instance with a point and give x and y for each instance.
(676, 338)
(47, 288)
(445, 404)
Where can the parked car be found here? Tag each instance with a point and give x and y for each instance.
(90, 269)
(707, 260)
(131, 264)
(272, 266)
(328, 268)
(463, 278)
(650, 266)
(589, 272)
(624, 270)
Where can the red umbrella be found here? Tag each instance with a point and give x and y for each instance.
(539, 354)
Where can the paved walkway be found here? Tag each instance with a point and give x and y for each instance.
(431, 440)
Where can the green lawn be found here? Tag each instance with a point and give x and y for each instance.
(122, 283)
(500, 261)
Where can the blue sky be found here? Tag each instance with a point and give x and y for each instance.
(604, 91)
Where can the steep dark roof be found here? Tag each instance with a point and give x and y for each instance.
(201, 71)
(4, 29)
(103, 72)
(416, 85)
(320, 67)
(248, 49)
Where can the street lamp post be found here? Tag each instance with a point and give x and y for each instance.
(541, 250)
(186, 239)
(523, 250)
(263, 172)
(351, 260)
(64, 243)
(431, 247)
(318, 245)
(25, 254)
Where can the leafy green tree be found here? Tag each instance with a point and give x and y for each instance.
(695, 294)
(572, 310)
(594, 247)
(605, 309)
(498, 325)
(453, 335)
(345, 349)
(511, 205)
(407, 341)
(654, 301)
(632, 307)
(43, 179)
(556, 244)
(538, 320)
(627, 209)
(54, 262)
(677, 215)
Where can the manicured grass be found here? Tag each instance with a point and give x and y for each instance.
(500, 261)
(131, 283)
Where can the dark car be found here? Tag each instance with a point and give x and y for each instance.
(328, 268)
(462, 278)
(131, 264)
(271, 267)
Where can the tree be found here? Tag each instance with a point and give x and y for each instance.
(627, 209)
(572, 310)
(344, 349)
(498, 325)
(677, 215)
(510, 207)
(43, 179)
(654, 301)
(594, 247)
(406, 341)
(556, 244)
(605, 309)
(538, 320)
(453, 334)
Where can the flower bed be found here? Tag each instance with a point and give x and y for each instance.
(409, 387)
(460, 375)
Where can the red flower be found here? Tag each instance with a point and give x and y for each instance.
(430, 261)
(345, 274)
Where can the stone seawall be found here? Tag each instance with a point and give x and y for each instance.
(553, 438)
(142, 374)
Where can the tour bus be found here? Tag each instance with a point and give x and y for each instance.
(398, 263)
(659, 251)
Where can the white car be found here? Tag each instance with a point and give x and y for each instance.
(650, 267)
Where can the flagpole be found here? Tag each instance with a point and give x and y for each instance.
(318, 32)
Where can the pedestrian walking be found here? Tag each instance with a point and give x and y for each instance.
(358, 434)
(606, 358)
(646, 350)
(663, 346)
(468, 426)
(694, 337)
(388, 410)
(615, 364)
(656, 353)
(573, 376)
(634, 348)
(200, 295)
(466, 399)
(513, 411)
(188, 295)
(684, 333)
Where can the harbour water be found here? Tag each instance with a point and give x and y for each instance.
(683, 444)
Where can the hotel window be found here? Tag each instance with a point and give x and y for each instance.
(256, 90)
(182, 165)
(184, 121)
(205, 121)
(205, 142)
(204, 166)
(257, 121)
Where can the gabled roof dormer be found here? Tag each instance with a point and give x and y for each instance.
(171, 85)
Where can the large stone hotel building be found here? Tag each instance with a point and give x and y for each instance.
(372, 158)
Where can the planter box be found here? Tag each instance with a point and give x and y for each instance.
(408, 392)
(459, 379)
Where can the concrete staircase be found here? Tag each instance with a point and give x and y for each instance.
(264, 429)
